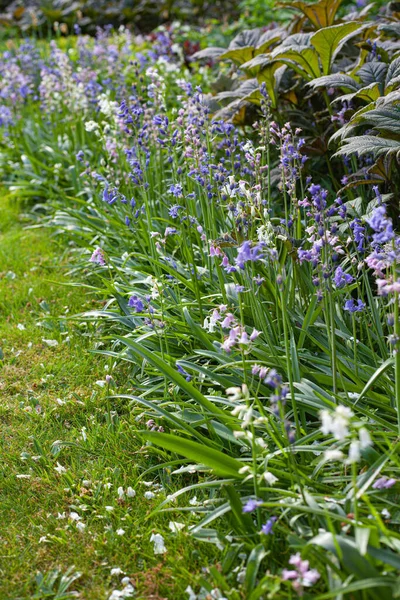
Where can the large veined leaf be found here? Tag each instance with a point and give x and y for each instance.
(393, 27)
(296, 41)
(257, 63)
(370, 93)
(368, 144)
(239, 55)
(213, 52)
(373, 71)
(393, 74)
(236, 112)
(269, 38)
(384, 119)
(345, 131)
(271, 76)
(303, 60)
(222, 464)
(329, 41)
(321, 14)
(336, 80)
(246, 88)
(243, 47)
(390, 98)
(246, 38)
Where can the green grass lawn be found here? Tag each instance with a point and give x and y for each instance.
(62, 459)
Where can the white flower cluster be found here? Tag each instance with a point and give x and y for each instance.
(339, 424)
(108, 107)
(60, 87)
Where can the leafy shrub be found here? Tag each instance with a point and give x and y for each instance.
(295, 65)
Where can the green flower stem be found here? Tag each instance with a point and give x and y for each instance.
(355, 343)
(288, 362)
(397, 358)
(332, 336)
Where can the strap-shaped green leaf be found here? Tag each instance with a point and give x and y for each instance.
(220, 463)
(175, 377)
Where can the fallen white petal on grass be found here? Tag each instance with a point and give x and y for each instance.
(74, 516)
(51, 343)
(158, 541)
(60, 469)
(189, 590)
(176, 527)
(126, 592)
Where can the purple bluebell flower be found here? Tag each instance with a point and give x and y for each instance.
(318, 196)
(6, 118)
(273, 379)
(176, 190)
(377, 193)
(98, 257)
(251, 505)
(182, 371)
(352, 307)
(382, 225)
(174, 211)
(341, 278)
(107, 197)
(136, 303)
(247, 252)
(359, 234)
(258, 280)
(266, 529)
(301, 576)
(170, 231)
(384, 483)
